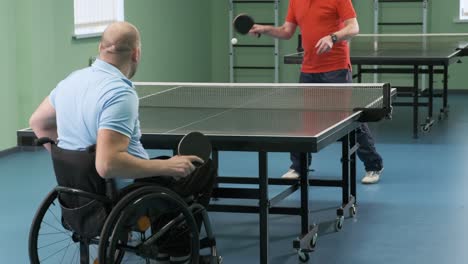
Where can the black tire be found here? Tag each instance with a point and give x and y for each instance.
(49, 241)
(117, 227)
(303, 256)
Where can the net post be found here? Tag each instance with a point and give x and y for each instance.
(387, 104)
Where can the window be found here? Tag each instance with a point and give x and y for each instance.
(92, 16)
(463, 10)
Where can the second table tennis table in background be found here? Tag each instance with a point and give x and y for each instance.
(412, 54)
(264, 118)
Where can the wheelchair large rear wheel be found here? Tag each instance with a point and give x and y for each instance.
(142, 223)
(51, 242)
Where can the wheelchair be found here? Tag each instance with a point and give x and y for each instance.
(86, 220)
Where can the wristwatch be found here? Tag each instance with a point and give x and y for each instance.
(334, 38)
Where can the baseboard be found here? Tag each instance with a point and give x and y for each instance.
(12, 150)
(30, 148)
(8, 151)
(457, 91)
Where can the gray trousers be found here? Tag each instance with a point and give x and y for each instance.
(366, 152)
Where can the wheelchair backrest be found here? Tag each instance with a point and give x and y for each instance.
(76, 169)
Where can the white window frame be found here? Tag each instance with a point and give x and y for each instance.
(463, 10)
(91, 17)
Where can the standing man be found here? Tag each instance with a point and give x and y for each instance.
(99, 105)
(326, 25)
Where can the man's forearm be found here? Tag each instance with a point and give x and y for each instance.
(350, 30)
(277, 32)
(114, 161)
(345, 34)
(124, 165)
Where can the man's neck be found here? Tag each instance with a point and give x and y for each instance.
(124, 68)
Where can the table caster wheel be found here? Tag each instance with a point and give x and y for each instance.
(339, 223)
(353, 210)
(313, 241)
(303, 256)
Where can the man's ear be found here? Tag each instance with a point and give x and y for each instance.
(136, 54)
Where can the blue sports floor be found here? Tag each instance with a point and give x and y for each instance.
(418, 213)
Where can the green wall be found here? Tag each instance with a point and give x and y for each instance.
(8, 93)
(40, 50)
(176, 39)
(441, 16)
(249, 56)
(182, 41)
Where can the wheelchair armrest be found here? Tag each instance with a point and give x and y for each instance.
(43, 140)
(93, 196)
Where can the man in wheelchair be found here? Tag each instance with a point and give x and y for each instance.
(110, 193)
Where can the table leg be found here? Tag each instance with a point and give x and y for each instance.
(264, 206)
(415, 100)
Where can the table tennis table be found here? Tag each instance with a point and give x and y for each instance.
(413, 54)
(264, 118)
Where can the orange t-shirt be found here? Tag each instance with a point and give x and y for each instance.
(317, 19)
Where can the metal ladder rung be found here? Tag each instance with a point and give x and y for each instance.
(232, 47)
(423, 23)
(253, 1)
(401, 1)
(255, 67)
(401, 23)
(254, 46)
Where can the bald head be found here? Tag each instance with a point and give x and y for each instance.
(120, 45)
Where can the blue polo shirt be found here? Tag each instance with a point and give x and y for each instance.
(93, 98)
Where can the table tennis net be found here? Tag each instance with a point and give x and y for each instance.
(323, 97)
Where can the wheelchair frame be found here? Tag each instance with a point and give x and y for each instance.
(112, 245)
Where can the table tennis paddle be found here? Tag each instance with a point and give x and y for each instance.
(197, 144)
(243, 23)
